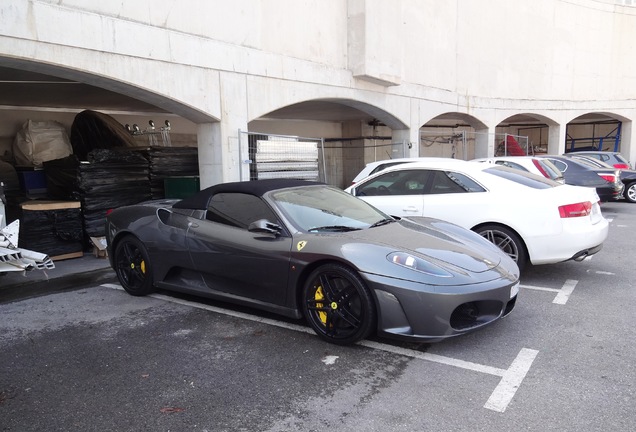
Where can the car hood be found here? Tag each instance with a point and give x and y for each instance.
(440, 242)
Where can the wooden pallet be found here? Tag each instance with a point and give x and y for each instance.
(67, 256)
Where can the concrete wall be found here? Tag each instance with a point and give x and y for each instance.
(222, 65)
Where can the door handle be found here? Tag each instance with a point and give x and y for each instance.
(411, 209)
(193, 225)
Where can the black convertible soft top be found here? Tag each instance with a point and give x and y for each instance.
(200, 200)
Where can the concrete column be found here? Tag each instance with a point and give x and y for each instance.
(352, 154)
(220, 159)
(556, 139)
(411, 137)
(210, 154)
(628, 146)
(484, 143)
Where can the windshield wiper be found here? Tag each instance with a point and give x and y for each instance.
(382, 222)
(334, 228)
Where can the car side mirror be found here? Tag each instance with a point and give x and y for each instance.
(265, 226)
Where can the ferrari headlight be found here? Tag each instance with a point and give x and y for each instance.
(418, 264)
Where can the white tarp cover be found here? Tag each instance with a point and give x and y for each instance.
(38, 142)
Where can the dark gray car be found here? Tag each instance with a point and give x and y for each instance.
(304, 249)
(607, 182)
(627, 176)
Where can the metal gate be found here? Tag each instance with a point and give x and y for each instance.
(268, 156)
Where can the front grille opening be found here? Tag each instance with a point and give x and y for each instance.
(510, 305)
(475, 314)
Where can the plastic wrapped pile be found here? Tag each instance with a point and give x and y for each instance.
(111, 179)
(94, 130)
(167, 162)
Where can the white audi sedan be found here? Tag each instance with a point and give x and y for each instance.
(530, 217)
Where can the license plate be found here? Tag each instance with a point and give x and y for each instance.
(514, 290)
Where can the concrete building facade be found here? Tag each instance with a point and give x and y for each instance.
(334, 69)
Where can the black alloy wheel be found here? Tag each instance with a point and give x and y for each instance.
(133, 266)
(338, 305)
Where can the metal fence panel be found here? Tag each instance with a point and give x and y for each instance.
(267, 156)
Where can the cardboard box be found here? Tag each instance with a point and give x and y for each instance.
(99, 247)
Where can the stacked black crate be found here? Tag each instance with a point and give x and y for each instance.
(53, 228)
(108, 180)
(169, 162)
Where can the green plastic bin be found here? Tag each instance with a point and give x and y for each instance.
(181, 187)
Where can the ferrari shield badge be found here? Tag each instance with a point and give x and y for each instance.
(301, 244)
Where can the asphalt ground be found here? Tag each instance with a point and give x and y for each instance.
(93, 358)
(68, 274)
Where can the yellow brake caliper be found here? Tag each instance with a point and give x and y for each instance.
(142, 266)
(318, 295)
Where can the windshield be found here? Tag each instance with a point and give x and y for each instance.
(324, 209)
(522, 177)
(550, 168)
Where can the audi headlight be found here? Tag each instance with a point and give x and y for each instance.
(409, 261)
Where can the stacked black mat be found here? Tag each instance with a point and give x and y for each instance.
(111, 179)
(54, 229)
(108, 179)
(167, 162)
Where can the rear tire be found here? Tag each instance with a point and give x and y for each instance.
(132, 266)
(507, 240)
(630, 192)
(337, 305)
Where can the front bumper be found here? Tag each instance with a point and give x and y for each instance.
(424, 313)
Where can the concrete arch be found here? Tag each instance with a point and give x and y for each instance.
(599, 130)
(337, 110)
(448, 117)
(597, 114)
(529, 117)
(136, 98)
(542, 134)
(454, 134)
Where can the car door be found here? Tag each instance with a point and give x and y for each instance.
(235, 261)
(455, 197)
(397, 193)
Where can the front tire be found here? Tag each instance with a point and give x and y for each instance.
(132, 266)
(337, 305)
(630, 192)
(507, 240)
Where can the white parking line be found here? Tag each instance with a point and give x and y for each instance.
(227, 312)
(536, 288)
(511, 378)
(476, 367)
(603, 272)
(563, 294)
